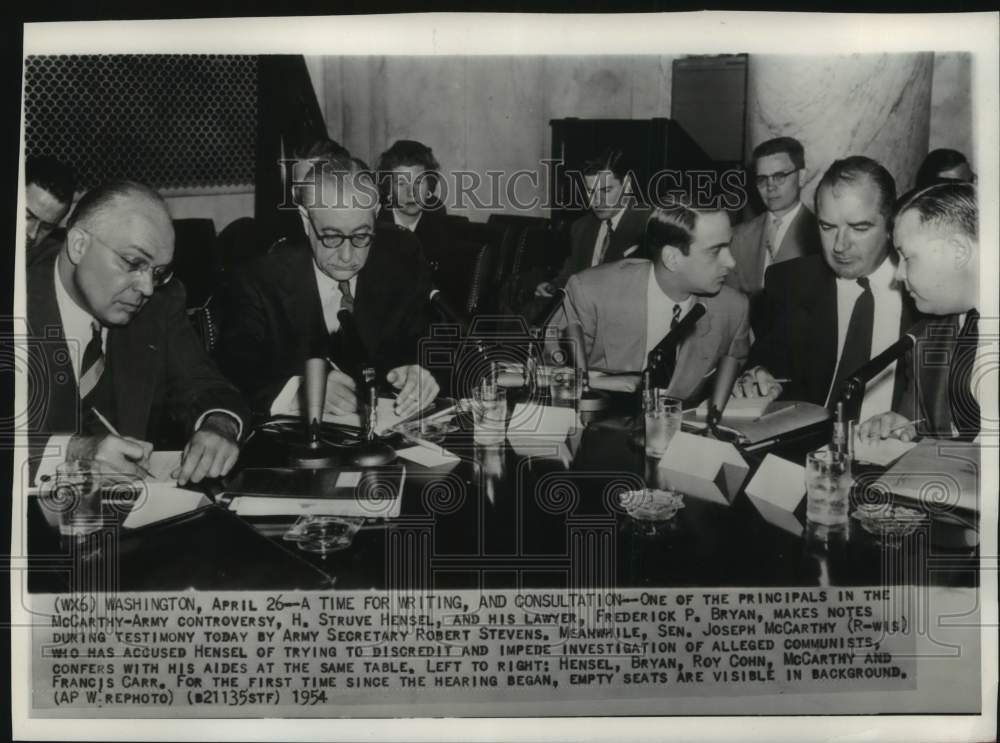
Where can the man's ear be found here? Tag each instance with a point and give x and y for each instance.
(77, 243)
(669, 257)
(964, 249)
(802, 178)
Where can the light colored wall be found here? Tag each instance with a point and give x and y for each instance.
(951, 104)
(483, 113)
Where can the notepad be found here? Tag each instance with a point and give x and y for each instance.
(163, 465)
(882, 452)
(163, 501)
(940, 474)
(429, 455)
(742, 408)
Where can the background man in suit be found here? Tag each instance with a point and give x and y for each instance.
(786, 229)
(283, 308)
(826, 315)
(49, 186)
(627, 307)
(937, 239)
(613, 227)
(105, 307)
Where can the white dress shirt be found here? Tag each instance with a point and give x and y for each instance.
(885, 331)
(596, 256)
(783, 223)
(660, 312)
(983, 381)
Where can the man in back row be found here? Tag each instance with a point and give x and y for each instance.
(627, 307)
(49, 186)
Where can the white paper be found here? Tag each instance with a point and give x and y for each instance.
(163, 465)
(882, 452)
(696, 466)
(542, 422)
(163, 501)
(776, 490)
(268, 506)
(429, 455)
(739, 408)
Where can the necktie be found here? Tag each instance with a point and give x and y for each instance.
(92, 365)
(346, 298)
(605, 242)
(771, 236)
(964, 406)
(675, 320)
(857, 344)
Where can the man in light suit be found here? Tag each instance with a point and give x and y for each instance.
(786, 229)
(109, 333)
(937, 240)
(611, 230)
(626, 308)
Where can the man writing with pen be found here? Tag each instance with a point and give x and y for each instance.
(352, 291)
(115, 365)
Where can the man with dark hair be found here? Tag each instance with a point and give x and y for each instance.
(786, 229)
(49, 186)
(826, 315)
(627, 307)
(944, 165)
(110, 328)
(937, 240)
(613, 227)
(284, 308)
(408, 178)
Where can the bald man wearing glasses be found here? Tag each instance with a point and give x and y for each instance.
(286, 307)
(115, 362)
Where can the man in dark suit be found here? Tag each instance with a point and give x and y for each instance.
(408, 176)
(786, 229)
(826, 315)
(49, 186)
(284, 308)
(937, 238)
(611, 230)
(110, 332)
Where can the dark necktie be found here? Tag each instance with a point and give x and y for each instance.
(92, 365)
(346, 298)
(675, 320)
(605, 243)
(857, 345)
(964, 406)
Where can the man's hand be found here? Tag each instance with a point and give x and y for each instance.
(886, 426)
(341, 394)
(417, 389)
(212, 450)
(757, 382)
(546, 289)
(124, 454)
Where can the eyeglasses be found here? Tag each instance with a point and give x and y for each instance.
(775, 179)
(158, 275)
(358, 240)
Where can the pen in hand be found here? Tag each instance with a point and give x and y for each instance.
(114, 432)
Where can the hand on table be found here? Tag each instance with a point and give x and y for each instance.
(212, 450)
(417, 389)
(757, 382)
(124, 454)
(341, 394)
(886, 426)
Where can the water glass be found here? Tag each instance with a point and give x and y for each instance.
(565, 384)
(489, 413)
(88, 497)
(663, 420)
(828, 488)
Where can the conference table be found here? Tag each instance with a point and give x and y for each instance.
(500, 517)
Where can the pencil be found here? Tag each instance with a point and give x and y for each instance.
(114, 432)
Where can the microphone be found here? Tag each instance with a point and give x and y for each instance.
(852, 391)
(666, 349)
(447, 312)
(314, 453)
(725, 377)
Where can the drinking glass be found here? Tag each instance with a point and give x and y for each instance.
(324, 534)
(565, 384)
(663, 420)
(828, 488)
(489, 413)
(88, 497)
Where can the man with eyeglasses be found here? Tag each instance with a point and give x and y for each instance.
(285, 307)
(49, 186)
(117, 362)
(786, 229)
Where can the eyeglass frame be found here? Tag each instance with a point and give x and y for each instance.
(340, 237)
(776, 179)
(157, 281)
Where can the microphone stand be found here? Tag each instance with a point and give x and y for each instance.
(373, 451)
(313, 453)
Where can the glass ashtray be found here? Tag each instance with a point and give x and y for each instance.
(432, 431)
(889, 521)
(651, 504)
(322, 535)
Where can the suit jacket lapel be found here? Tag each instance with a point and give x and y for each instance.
(635, 315)
(822, 323)
(300, 300)
(130, 346)
(792, 242)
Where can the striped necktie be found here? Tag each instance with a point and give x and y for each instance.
(92, 366)
(346, 298)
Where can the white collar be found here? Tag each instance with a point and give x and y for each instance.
(654, 290)
(327, 284)
(881, 278)
(788, 216)
(77, 322)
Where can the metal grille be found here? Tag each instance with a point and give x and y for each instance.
(171, 121)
